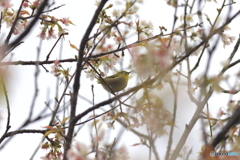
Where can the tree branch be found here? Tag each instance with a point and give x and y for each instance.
(78, 71)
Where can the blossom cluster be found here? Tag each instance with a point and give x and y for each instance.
(50, 23)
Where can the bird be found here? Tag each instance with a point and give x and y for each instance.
(116, 82)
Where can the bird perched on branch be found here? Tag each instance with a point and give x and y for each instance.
(116, 82)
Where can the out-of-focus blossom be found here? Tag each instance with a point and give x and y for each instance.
(79, 151)
(118, 39)
(117, 13)
(109, 61)
(5, 4)
(110, 125)
(121, 154)
(156, 60)
(97, 2)
(226, 39)
(91, 75)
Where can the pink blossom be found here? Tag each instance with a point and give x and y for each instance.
(15, 31)
(51, 34)
(53, 19)
(25, 4)
(19, 28)
(117, 39)
(65, 21)
(42, 35)
(55, 68)
(36, 4)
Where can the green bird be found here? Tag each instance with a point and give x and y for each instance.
(116, 82)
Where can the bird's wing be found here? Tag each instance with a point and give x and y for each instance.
(112, 76)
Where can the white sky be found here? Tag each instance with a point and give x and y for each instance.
(21, 92)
